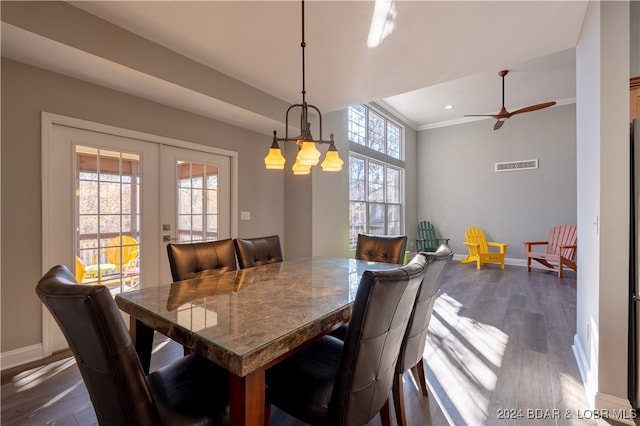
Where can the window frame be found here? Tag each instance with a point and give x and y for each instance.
(365, 138)
(362, 151)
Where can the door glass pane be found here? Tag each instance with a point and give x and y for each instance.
(107, 217)
(197, 201)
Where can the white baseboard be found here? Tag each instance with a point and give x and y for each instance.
(507, 260)
(590, 386)
(614, 408)
(20, 356)
(601, 405)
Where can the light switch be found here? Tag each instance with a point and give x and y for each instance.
(245, 215)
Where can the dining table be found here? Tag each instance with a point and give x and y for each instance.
(247, 320)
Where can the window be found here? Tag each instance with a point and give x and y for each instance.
(374, 198)
(371, 129)
(375, 181)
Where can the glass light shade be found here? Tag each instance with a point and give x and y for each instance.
(274, 159)
(301, 169)
(332, 161)
(308, 154)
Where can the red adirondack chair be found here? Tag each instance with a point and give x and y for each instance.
(561, 250)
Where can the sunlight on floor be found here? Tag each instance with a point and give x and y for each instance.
(571, 392)
(455, 363)
(32, 378)
(62, 394)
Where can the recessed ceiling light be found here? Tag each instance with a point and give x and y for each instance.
(448, 107)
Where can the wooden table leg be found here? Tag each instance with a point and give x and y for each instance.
(247, 399)
(142, 337)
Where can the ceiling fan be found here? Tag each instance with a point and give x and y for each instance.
(504, 114)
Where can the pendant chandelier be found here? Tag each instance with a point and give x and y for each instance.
(308, 154)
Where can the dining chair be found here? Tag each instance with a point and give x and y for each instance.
(194, 260)
(381, 248)
(415, 338)
(189, 391)
(258, 251)
(334, 382)
(376, 248)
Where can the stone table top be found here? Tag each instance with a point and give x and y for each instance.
(247, 319)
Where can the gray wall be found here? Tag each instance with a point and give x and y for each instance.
(26, 91)
(458, 187)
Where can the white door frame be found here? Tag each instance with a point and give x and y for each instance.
(48, 120)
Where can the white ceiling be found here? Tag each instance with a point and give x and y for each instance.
(432, 53)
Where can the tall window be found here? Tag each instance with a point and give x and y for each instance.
(375, 185)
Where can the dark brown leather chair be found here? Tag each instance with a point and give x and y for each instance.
(189, 391)
(331, 382)
(415, 338)
(194, 260)
(380, 248)
(376, 248)
(258, 251)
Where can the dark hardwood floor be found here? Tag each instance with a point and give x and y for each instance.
(499, 352)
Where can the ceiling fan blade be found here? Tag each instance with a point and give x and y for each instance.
(483, 115)
(533, 108)
(498, 124)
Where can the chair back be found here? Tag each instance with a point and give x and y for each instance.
(100, 342)
(381, 312)
(381, 248)
(194, 260)
(80, 270)
(415, 338)
(426, 238)
(476, 236)
(122, 250)
(258, 251)
(563, 235)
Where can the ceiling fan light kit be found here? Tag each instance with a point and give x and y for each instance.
(504, 114)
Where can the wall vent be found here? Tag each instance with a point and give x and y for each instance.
(510, 166)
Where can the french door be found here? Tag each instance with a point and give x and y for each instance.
(111, 203)
(195, 195)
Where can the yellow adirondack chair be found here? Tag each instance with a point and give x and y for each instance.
(479, 249)
(122, 251)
